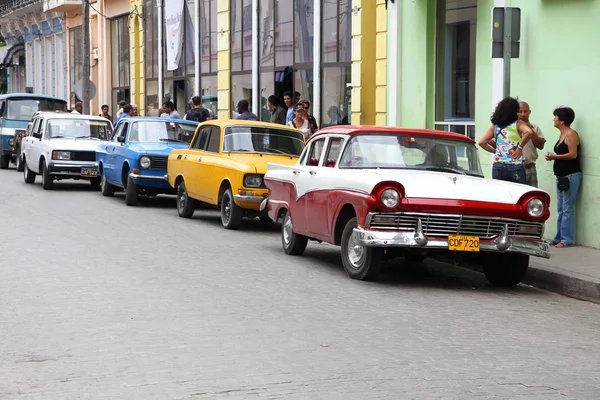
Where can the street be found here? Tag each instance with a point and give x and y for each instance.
(103, 301)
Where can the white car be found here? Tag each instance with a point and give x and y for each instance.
(63, 146)
(391, 192)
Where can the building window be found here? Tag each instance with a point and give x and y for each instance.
(241, 53)
(48, 67)
(208, 49)
(337, 62)
(151, 57)
(455, 72)
(59, 60)
(75, 60)
(120, 61)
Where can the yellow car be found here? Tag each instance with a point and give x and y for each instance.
(225, 165)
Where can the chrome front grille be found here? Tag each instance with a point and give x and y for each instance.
(159, 162)
(442, 225)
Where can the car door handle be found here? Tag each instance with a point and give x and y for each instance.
(199, 159)
(185, 157)
(296, 172)
(313, 172)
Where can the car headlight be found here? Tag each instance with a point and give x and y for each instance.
(390, 198)
(11, 141)
(145, 162)
(536, 207)
(61, 155)
(253, 180)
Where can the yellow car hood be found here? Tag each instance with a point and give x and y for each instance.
(259, 161)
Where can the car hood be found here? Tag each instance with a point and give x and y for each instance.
(74, 144)
(442, 185)
(157, 147)
(259, 161)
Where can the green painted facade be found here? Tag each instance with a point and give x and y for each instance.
(559, 65)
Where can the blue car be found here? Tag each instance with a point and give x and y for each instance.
(135, 159)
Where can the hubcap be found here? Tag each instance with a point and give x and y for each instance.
(227, 207)
(182, 198)
(288, 230)
(356, 253)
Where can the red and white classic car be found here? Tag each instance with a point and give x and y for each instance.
(392, 192)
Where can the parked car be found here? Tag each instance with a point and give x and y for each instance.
(390, 192)
(225, 163)
(63, 146)
(135, 159)
(16, 111)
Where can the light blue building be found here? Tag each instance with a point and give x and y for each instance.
(35, 56)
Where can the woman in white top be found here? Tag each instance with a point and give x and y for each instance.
(300, 121)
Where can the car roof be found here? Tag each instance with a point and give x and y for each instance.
(30, 96)
(162, 119)
(240, 122)
(352, 130)
(67, 115)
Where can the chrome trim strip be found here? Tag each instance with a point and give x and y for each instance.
(73, 165)
(248, 199)
(148, 177)
(263, 204)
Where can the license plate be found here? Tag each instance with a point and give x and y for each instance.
(89, 172)
(463, 243)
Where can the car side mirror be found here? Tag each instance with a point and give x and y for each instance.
(121, 139)
(37, 135)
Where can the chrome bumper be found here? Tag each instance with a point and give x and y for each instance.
(73, 168)
(138, 177)
(263, 204)
(248, 199)
(417, 240)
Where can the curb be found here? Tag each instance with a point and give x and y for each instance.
(564, 284)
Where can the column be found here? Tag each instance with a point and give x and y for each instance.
(381, 54)
(363, 62)
(136, 46)
(224, 59)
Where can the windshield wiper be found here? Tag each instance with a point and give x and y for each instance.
(276, 151)
(171, 140)
(229, 151)
(60, 137)
(86, 137)
(444, 169)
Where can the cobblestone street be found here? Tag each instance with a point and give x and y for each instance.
(103, 301)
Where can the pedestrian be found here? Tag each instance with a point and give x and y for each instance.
(530, 149)
(170, 111)
(312, 122)
(278, 113)
(567, 169)
(245, 114)
(290, 103)
(197, 113)
(122, 104)
(78, 109)
(509, 135)
(300, 121)
(104, 113)
(127, 112)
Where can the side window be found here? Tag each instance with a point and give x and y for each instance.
(215, 140)
(315, 153)
(121, 131)
(1, 108)
(333, 152)
(201, 139)
(36, 125)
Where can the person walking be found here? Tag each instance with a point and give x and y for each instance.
(197, 112)
(530, 149)
(567, 169)
(105, 113)
(278, 113)
(311, 120)
(510, 136)
(170, 111)
(244, 112)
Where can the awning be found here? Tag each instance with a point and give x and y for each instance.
(8, 52)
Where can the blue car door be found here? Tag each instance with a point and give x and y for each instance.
(113, 172)
(120, 152)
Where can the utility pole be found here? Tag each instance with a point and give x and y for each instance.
(85, 27)
(507, 56)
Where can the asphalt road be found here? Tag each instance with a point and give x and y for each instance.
(103, 301)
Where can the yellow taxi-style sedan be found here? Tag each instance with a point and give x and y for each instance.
(225, 165)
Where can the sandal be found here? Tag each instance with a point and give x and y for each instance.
(561, 245)
(554, 243)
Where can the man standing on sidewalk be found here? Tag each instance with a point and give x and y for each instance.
(530, 149)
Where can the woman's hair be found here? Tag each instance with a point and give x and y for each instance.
(565, 114)
(507, 112)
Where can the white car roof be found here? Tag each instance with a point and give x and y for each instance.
(65, 115)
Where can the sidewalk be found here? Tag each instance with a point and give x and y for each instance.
(572, 271)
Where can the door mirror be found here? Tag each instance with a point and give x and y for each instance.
(36, 135)
(121, 139)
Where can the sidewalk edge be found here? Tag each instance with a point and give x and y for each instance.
(563, 283)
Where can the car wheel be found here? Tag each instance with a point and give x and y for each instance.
(27, 174)
(47, 178)
(360, 262)
(106, 188)
(131, 192)
(4, 161)
(293, 244)
(185, 204)
(19, 163)
(506, 270)
(231, 213)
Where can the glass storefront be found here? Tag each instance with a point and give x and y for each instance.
(75, 61)
(120, 61)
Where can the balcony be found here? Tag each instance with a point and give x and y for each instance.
(16, 8)
(62, 5)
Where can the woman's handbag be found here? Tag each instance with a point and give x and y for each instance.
(563, 183)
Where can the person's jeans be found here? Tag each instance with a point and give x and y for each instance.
(565, 229)
(509, 172)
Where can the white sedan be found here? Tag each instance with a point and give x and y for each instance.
(63, 146)
(391, 192)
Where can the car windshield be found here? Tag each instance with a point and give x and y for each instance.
(23, 109)
(60, 128)
(260, 139)
(162, 131)
(411, 152)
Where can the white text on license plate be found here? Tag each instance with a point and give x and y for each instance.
(463, 243)
(89, 172)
